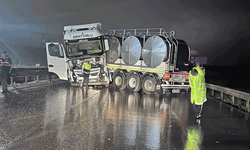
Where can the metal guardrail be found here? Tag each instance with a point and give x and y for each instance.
(233, 94)
(37, 81)
(26, 77)
(28, 74)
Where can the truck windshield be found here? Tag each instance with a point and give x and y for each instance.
(84, 48)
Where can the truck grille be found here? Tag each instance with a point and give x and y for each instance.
(93, 72)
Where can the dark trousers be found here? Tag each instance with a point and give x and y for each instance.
(86, 79)
(4, 81)
(197, 109)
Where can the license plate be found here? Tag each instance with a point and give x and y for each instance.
(175, 91)
(177, 79)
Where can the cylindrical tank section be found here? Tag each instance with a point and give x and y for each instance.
(155, 50)
(131, 50)
(114, 49)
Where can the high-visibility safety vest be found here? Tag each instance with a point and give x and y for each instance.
(194, 139)
(86, 67)
(198, 86)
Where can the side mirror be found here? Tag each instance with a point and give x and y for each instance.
(106, 44)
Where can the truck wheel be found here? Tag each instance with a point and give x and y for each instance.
(149, 84)
(134, 82)
(119, 80)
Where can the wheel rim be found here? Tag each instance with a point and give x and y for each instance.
(132, 82)
(148, 85)
(118, 81)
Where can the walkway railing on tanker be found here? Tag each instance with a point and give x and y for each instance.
(140, 32)
(234, 97)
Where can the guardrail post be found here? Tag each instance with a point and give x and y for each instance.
(26, 79)
(212, 93)
(247, 106)
(37, 78)
(11, 80)
(232, 102)
(221, 96)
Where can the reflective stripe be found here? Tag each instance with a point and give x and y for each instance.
(201, 98)
(199, 91)
(135, 69)
(201, 109)
(199, 83)
(200, 103)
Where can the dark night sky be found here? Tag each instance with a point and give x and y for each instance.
(218, 29)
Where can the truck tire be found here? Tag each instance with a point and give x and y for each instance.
(119, 80)
(149, 84)
(134, 82)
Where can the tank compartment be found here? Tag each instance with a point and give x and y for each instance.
(114, 49)
(131, 50)
(155, 50)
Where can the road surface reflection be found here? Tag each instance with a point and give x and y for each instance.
(72, 118)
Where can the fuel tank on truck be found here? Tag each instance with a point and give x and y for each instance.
(155, 50)
(114, 49)
(131, 50)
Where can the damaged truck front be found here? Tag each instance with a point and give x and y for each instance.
(81, 43)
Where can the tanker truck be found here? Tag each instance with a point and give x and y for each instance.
(147, 59)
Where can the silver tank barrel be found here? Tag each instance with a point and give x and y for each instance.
(155, 50)
(114, 49)
(131, 50)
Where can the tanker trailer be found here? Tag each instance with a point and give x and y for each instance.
(145, 59)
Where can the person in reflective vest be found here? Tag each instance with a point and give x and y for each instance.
(86, 66)
(5, 65)
(198, 88)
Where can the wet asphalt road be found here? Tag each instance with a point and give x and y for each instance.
(62, 117)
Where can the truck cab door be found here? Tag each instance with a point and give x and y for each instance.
(56, 59)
